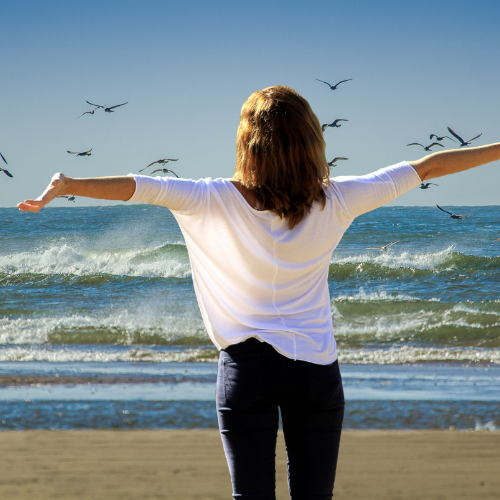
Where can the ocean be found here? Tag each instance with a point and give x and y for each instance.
(100, 328)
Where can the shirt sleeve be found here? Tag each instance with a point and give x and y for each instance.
(184, 196)
(361, 194)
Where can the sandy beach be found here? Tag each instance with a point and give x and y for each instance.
(179, 464)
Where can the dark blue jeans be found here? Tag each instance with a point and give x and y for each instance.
(253, 381)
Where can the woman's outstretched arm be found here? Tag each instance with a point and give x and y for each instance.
(455, 160)
(103, 188)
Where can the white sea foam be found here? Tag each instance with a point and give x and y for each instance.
(71, 259)
(394, 260)
(148, 319)
(407, 354)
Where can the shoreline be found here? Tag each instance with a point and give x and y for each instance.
(189, 464)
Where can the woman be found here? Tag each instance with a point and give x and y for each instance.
(260, 246)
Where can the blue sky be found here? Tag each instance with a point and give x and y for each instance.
(186, 67)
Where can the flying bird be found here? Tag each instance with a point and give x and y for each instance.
(84, 153)
(334, 87)
(3, 158)
(333, 124)
(107, 109)
(165, 171)
(498, 239)
(453, 216)
(427, 185)
(462, 142)
(70, 197)
(333, 163)
(427, 148)
(160, 162)
(441, 138)
(6, 172)
(88, 112)
(385, 248)
(111, 108)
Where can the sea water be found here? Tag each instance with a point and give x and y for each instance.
(99, 325)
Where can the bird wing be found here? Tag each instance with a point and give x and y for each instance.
(475, 137)
(448, 137)
(3, 158)
(73, 152)
(339, 120)
(432, 136)
(172, 159)
(342, 81)
(464, 215)
(391, 243)
(373, 248)
(338, 158)
(444, 210)
(87, 152)
(324, 126)
(435, 144)
(86, 112)
(157, 170)
(415, 144)
(6, 172)
(117, 105)
(454, 134)
(322, 81)
(172, 172)
(96, 105)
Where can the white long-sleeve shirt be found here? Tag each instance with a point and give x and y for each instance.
(254, 277)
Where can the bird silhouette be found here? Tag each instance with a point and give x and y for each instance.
(3, 158)
(462, 142)
(88, 112)
(427, 148)
(385, 248)
(107, 109)
(334, 87)
(111, 108)
(333, 163)
(453, 216)
(6, 172)
(165, 171)
(335, 124)
(70, 197)
(84, 153)
(160, 162)
(427, 185)
(438, 138)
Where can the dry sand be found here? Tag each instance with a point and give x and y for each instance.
(178, 464)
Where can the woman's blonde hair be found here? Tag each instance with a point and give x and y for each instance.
(280, 153)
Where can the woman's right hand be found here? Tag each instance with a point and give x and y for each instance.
(55, 188)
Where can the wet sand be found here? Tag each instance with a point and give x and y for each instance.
(180, 464)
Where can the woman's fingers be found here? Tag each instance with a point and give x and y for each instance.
(30, 206)
(54, 189)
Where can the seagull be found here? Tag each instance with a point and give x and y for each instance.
(70, 197)
(3, 158)
(427, 185)
(6, 172)
(164, 170)
(334, 87)
(440, 138)
(84, 153)
(161, 162)
(110, 109)
(333, 163)
(333, 124)
(462, 142)
(427, 148)
(88, 112)
(452, 216)
(385, 248)
(498, 239)
(107, 109)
